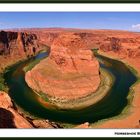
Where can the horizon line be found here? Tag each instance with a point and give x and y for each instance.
(62, 28)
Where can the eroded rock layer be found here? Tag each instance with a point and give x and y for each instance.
(70, 72)
(15, 46)
(9, 117)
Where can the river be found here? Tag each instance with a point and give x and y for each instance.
(111, 105)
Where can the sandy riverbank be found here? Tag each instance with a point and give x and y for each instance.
(130, 116)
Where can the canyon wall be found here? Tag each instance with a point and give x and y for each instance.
(126, 47)
(124, 43)
(121, 42)
(17, 43)
(15, 46)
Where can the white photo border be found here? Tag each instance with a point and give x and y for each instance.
(57, 7)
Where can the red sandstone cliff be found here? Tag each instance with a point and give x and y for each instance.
(106, 40)
(126, 47)
(15, 46)
(17, 43)
(70, 54)
(10, 118)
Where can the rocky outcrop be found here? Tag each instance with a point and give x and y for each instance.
(84, 125)
(133, 53)
(125, 44)
(111, 44)
(6, 40)
(45, 124)
(15, 46)
(70, 54)
(9, 117)
(70, 72)
(46, 37)
(17, 43)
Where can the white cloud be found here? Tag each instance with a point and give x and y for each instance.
(136, 26)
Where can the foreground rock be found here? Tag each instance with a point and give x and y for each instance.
(84, 125)
(42, 124)
(45, 124)
(10, 118)
(70, 72)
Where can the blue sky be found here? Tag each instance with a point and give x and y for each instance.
(87, 20)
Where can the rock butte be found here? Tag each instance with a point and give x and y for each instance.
(70, 72)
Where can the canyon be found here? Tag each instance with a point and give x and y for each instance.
(66, 77)
(71, 71)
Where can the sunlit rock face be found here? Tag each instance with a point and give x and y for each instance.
(70, 72)
(9, 117)
(70, 54)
